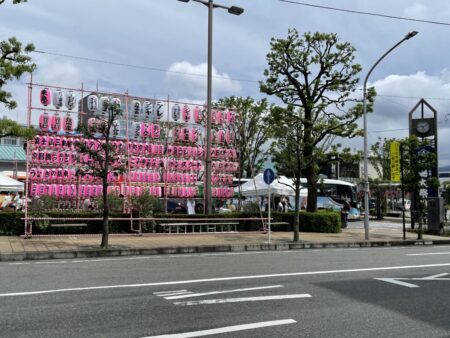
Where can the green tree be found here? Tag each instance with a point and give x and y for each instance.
(287, 155)
(380, 158)
(11, 128)
(103, 158)
(317, 75)
(415, 165)
(252, 132)
(13, 63)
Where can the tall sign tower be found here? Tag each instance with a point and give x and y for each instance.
(423, 124)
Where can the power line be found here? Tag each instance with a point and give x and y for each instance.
(416, 97)
(366, 13)
(138, 66)
(386, 130)
(197, 74)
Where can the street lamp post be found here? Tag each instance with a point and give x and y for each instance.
(366, 169)
(232, 10)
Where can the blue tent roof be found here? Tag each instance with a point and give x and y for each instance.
(7, 153)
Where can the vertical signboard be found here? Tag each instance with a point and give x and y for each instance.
(395, 161)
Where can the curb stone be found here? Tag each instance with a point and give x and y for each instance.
(127, 252)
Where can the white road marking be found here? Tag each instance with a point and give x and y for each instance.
(224, 291)
(242, 299)
(206, 280)
(159, 293)
(398, 282)
(437, 276)
(429, 254)
(226, 329)
(174, 293)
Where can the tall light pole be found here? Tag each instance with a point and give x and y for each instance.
(366, 164)
(232, 10)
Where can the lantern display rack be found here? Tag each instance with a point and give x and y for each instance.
(161, 141)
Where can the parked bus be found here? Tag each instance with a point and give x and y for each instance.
(331, 194)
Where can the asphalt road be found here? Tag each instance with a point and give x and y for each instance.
(305, 293)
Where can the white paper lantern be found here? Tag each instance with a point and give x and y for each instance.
(58, 98)
(70, 100)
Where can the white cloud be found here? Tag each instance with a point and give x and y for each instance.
(416, 10)
(180, 83)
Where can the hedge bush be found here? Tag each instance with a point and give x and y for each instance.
(11, 223)
(321, 221)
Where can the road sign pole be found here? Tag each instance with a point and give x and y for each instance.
(269, 216)
(268, 177)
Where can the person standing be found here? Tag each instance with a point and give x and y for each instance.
(344, 213)
(87, 204)
(190, 204)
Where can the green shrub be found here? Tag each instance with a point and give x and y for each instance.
(11, 223)
(321, 221)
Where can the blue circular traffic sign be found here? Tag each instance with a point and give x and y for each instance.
(268, 176)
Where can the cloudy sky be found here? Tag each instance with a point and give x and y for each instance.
(167, 40)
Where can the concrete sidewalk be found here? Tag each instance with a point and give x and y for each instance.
(71, 246)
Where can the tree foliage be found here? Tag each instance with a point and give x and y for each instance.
(252, 132)
(316, 75)
(13, 63)
(287, 154)
(14, 1)
(11, 128)
(104, 158)
(380, 158)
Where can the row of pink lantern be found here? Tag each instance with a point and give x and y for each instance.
(57, 190)
(55, 123)
(131, 190)
(58, 98)
(145, 162)
(57, 158)
(70, 155)
(184, 165)
(38, 174)
(144, 176)
(60, 175)
(182, 192)
(185, 151)
(55, 142)
(222, 179)
(139, 148)
(146, 130)
(222, 192)
(217, 117)
(70, 190)
(185, 134)
(223, 136)
(222, 166)
(224, 153)
(179, 178)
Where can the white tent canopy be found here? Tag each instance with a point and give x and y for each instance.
(9, 184)
(257, 187)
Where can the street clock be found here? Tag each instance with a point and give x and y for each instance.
(423, 127)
